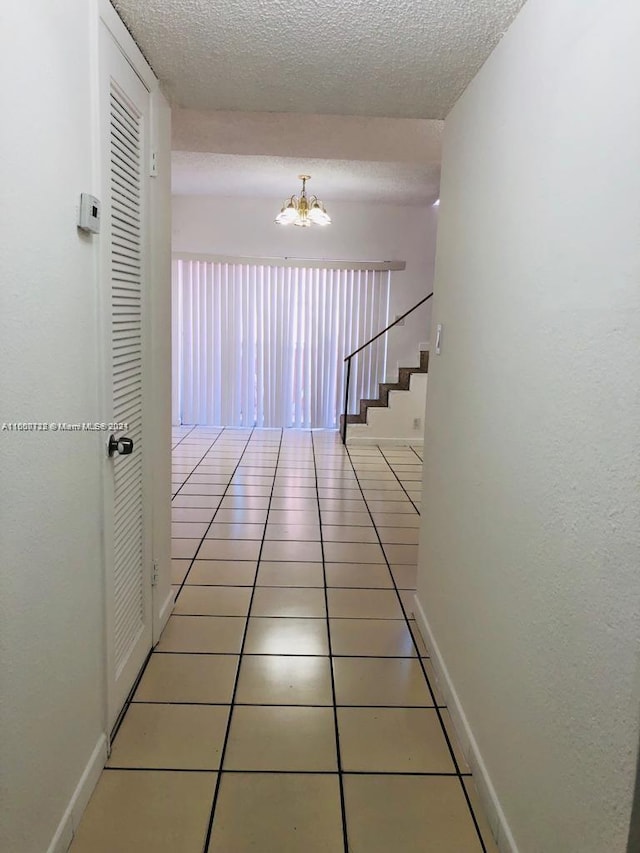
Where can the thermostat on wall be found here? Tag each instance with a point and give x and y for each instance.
(89, 215)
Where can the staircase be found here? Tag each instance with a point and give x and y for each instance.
(397, 407)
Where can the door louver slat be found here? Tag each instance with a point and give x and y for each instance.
(126, 354)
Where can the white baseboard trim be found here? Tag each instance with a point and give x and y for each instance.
(71, 819)
(362, 440)
(163, 616)
(492, 808)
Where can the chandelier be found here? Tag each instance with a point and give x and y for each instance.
(303, 211)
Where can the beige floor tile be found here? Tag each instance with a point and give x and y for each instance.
(198, 501)
(297, 532)
(380, 681)
(146, 812)
(348, 533)
(188, 678)
(249, 491)
(298, 552)
(405, 576)
(208, 478)
(213, 601)
(403, 555)
(288, 601)
(395, 507)
(281, 738)
(191, 514)
(388, 492)
(399, 535)
(202, 634)
(284, 680)
(360, 552)
(277, 813)
(184, 549)
(408, 598)
(293, 516)
(224, 549)
(290, 574)
(363, 604)
(434, 682)
(203, 489)
(274, 636)
(422, 647)
(241, 516)
(397, 519)
(179, 569)
(222, 573)
(372, 637)
(412, 814)
(243, 502)
(358, 575)
(223, 530)
(177, 737)
(478, 810)
(243, 479)
(296, 503)
(362, 519)
(454, 740)
(400, 740)
(332, 505)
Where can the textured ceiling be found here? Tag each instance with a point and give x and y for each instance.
(400, 140)
(408, 58)
(276, 177)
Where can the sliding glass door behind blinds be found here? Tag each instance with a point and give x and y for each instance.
(264, 345)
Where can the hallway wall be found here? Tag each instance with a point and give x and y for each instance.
(52, 603)
(51, 606)
(529, 553)
(360, 232)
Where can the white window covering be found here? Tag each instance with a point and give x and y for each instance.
(263, 345)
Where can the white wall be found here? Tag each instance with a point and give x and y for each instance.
(530, 542)
(52, 718)
(360, 232)
(51, 606)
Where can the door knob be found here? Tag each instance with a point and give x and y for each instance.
(123, 446)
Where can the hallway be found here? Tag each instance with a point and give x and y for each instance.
(288, 661)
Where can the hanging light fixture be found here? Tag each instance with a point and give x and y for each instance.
(302, 210)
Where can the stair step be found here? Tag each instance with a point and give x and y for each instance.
(382, 401)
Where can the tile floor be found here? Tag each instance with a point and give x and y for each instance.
(287, 707)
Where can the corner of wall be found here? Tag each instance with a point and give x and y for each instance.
(492, 808)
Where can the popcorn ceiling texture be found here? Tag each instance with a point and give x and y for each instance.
(198, 173)
(331, 137)
(410, 58)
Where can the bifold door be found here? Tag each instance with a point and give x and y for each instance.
(125, 114)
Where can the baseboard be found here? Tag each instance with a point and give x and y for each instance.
(492, 808)
(163, 616)
(358, 440)
(71, 819)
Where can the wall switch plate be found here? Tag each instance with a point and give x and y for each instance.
(89, 214)
(438, 338)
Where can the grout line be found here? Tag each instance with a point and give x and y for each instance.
(424, 672)
(398, 479)
(195, 556)
(252, 772)
(333, 683)
(223, 751)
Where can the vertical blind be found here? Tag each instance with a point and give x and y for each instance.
(263, 345)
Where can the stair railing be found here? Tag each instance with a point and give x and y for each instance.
(364, 346)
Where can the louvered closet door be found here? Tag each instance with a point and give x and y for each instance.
(125, 162)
